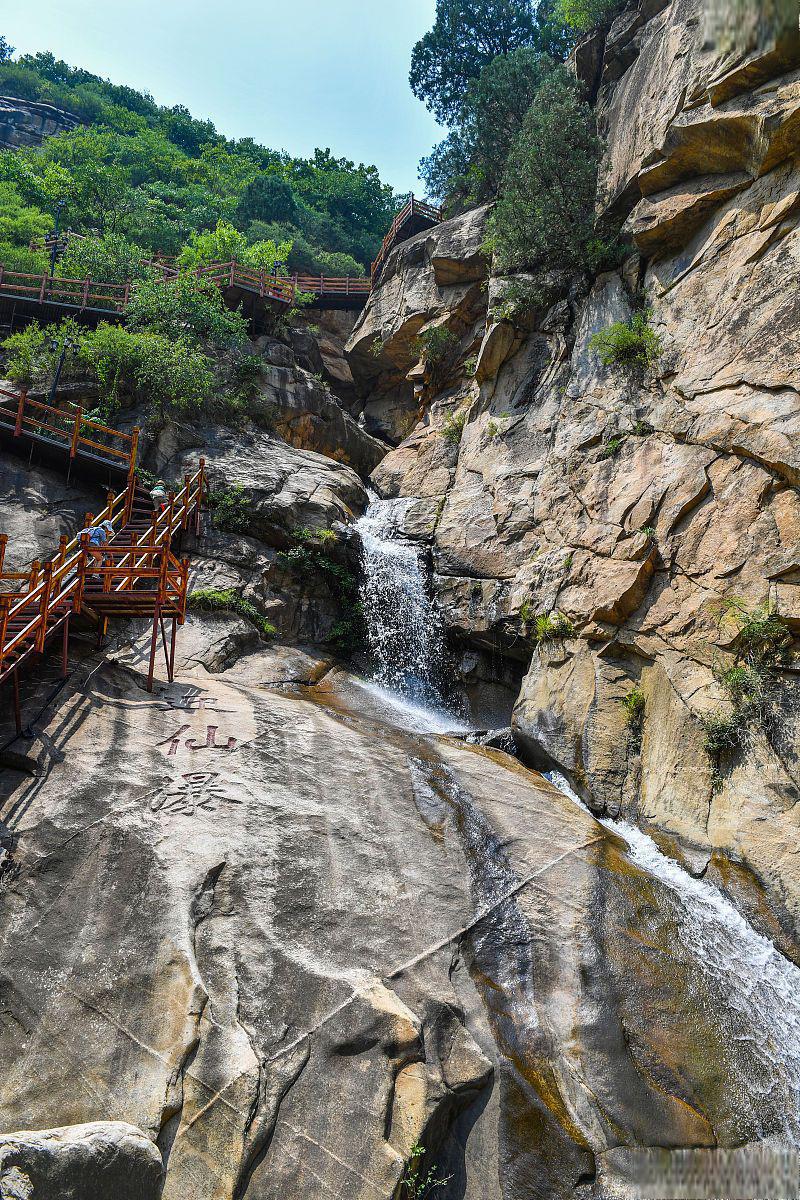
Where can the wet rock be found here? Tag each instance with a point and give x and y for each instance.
(273, 966)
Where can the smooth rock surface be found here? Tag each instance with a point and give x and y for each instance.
(93, 1161)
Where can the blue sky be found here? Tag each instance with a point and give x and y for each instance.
(293, 74)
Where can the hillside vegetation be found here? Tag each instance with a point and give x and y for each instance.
(153, 177)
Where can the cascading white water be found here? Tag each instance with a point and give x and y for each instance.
(754, 990)
(404, 629)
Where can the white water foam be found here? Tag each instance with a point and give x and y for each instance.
(404, 627)
(754, 989)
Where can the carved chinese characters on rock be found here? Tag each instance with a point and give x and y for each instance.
(200, 791)
(195, 793)
(174, 741)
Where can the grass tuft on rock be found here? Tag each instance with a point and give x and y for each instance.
(628, 345)
(230, 601)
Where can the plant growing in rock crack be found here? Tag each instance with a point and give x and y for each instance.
(649, 531)
(307, 558)
(552, 627)
(634, 705)
(228, 600)
(612, 446)
(629, 345)
(417, 1184)
(438, 349)
(471, 365)
(376, 347)
(642, 429)
(453, 426)
(763, 644)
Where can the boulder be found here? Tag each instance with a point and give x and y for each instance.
(94, 1161)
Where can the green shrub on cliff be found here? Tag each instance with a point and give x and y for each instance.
(763, 643)
(544, 216)
(627, 344)
(438, 349)
(228, 600)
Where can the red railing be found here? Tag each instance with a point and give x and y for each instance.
(414, 208)
(82, 294)
(57, 587)
(73, 293)
(68, 428)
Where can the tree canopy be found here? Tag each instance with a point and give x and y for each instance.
(467, 35)
(544, 216)
(156, 176)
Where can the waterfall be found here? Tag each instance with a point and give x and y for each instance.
(404, 629)
(753, 990)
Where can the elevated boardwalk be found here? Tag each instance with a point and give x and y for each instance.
(99, 452)
(136, 574)
(49, 298)
(414, 218)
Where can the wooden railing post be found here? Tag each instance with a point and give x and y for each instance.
(184, 507)
(44, 607)
(85, 299)
(81, 574)
(200, 484)
(34, 575)
(5, 605)
(170, 515)
(76, 432)
(233, 273)
(3, 544)
(184, 589)
(23, 396)
(88, 520)
(62, 550)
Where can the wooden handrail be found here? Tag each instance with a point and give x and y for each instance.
(60, 584)
(77, 432)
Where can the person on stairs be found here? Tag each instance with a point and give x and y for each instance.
(158, 495)
(99, 537)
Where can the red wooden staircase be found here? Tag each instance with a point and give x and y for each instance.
(138, 576)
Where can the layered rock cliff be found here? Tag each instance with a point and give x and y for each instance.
(634, 504)
(29, 122)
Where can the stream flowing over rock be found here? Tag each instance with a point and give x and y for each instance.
(383, 869)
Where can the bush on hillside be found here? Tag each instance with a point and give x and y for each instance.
(111, 259)
(186, 308)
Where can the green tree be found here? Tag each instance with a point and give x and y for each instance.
(112, 259)
(190, 309)
(20, 222)
(224, 243)
(471, 161)
(466, 36)
(267, 198)
(582, 15)
(544, 217)
(5, 50)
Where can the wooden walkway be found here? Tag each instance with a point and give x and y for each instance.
(137, 574)
(110, 300)
(66, 431)
(414, 218)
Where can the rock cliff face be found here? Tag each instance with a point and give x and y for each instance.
(29, 122)
(635, 505)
